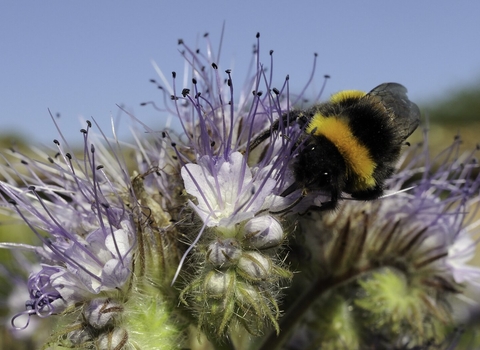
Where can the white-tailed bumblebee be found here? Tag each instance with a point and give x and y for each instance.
(351, 143)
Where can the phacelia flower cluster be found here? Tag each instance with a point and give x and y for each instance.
(190, 238)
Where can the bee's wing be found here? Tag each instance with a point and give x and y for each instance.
(404, 113)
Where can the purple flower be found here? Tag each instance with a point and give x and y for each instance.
(77, 211)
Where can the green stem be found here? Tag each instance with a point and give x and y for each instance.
(302, 305)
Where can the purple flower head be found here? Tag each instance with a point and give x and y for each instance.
(232, 190)
(76, 208)
(231, 185)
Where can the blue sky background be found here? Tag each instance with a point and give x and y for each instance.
(81, 58)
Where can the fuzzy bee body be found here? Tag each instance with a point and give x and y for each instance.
(352, 142)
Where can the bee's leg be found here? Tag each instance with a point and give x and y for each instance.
(286, 120)
(263, 136)
(368, 195)
(330, 205)
(333, 202)
(324, 206)
(290, 189)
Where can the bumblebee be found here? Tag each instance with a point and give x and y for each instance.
(351, 143)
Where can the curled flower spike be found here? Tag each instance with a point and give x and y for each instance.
(88, 249)
(85, 214)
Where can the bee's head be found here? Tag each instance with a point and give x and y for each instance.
(320, 166)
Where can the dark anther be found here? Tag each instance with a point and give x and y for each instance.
(194, 81)
(228, 71)
(174, 75)
(56, 142)
(24, 162)
(99, 167)
(214, 66)
(271, 52)
(185, 92)
(31, 188)
(275, 91)
(68, 155)
(180, 41)
(92, 148)
(89, 123)
(83, 131)
(258, 35)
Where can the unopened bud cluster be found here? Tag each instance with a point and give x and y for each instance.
(238, 276)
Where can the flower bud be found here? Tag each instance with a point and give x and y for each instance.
(101, 312)
(116, 339)
(254, 266)
(224, 252)
(78, 334)
(263, 232)
(217, 283)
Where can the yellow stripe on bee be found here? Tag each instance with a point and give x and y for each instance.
(346, 94)
(357, 157)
